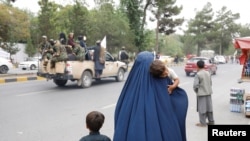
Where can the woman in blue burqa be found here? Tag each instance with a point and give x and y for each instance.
(145, 111)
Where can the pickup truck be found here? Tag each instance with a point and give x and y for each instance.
(82, 71)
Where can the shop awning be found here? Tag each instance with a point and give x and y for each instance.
(242, 43)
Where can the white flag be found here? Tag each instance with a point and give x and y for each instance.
(103, 42)
(235, 52)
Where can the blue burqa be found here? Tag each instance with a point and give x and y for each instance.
(145, 111)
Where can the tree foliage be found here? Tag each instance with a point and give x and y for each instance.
(14, 27)
(78, 17)
(172, 45)
(46, 18)
(14, 24)
(106, 21)
(244, 30)
(135, 12)
(30, 49)
(123, 26)
(165, 12)
(201, 26)
(213, 31)
(225, 27)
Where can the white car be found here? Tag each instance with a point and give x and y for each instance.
(31, 63)
(5, 65)
(219, 59)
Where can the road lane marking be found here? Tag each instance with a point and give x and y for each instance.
(108, 106)
(33, 93)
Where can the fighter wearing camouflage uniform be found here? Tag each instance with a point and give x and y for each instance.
(60, 53)
(79, 52)
(45, 50)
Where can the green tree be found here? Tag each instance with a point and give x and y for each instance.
(137, 18)
(189, 45)
(78, 18)
(165, 12)
(201, 26)
(62, 20)
(34, 31)
(46, 18)
(30, 49)
(244, 30)
(14, 28)
(171, 45)
(107, 21)
(14, 24)
(225, 27)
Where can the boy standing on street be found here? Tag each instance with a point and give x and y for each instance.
(203, 88)
(94, 122)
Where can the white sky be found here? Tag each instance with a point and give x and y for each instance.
(189, 7)
(236, 6)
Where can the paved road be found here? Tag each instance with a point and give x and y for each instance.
(16, 74)
(47, 112)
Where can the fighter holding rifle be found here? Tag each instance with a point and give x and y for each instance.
(45, 50)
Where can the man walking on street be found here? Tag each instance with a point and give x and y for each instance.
(203, 88)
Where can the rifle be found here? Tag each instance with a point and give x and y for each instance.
(44, 48)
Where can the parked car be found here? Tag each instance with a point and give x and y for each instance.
(31, 63)
(191, 68)
(219, 59)
(5, 65)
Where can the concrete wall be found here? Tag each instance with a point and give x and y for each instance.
(21, 55)
(4, 54)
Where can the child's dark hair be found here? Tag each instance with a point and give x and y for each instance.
(95, 120)
(200, 64)
(157, 68)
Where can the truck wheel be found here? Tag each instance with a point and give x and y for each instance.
(86, 79)
(60, 83)
(120, 75)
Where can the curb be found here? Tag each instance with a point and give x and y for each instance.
(20, 79)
